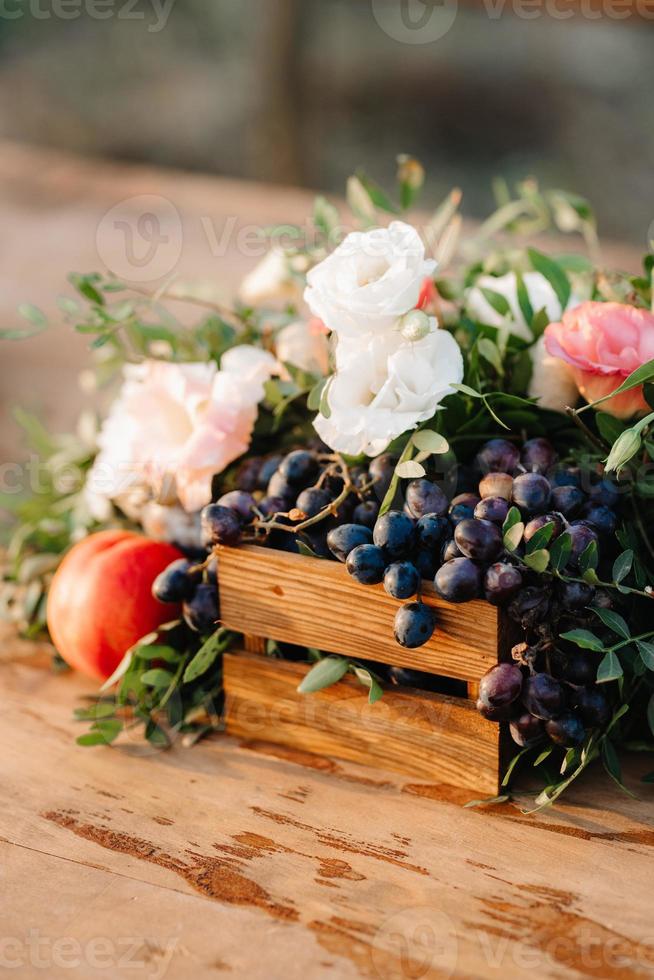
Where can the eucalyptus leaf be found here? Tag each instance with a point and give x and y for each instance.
(554, 274)
(584, 639)
(323, 674)
(537, 560)
(560, 551)
(622, 565)
(646, 651)
(610, 668)
(614, 621)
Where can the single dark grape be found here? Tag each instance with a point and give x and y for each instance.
(538, 455)
(279, 486)
(496, 485)
(503, 713)
(175, 584)
(463, 506)
(569, 476)
(220, 525)
(273, 505)
(492, 509)
(241, 502)
(395, 532)
(343, 539)
(593, 707)
(581, 535)
(501, 582)
(602, 518)
(449, 551)
(268, 466)
(423, 497)
(526, 730)
(530, 606)
(366, 564)
(543, 696)
(380, 473)
(459, 580)
(501, 685)
(300, 468)
(312, 501)
(414, 624)
(426, 562)
(201, 611)
(366, 513)
(432, 529)
(401, 580)
(567, 500)
(536, 523)
(605, 493)
(567, 730)
(531, 493)
(498, 455)
(575, 595)
(478, 539)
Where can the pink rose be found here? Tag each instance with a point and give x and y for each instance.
(174, 425)
(604, 343)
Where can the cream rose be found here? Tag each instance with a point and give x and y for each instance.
(305, 345)
(174, 425)
(552, 381)
(369, 281)
(385, 387)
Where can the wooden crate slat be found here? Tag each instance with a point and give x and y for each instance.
(423, 735)
(315, 603)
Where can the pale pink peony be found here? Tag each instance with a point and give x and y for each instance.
(174, 425)
(604, 343)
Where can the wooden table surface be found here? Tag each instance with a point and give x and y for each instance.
(246, 860)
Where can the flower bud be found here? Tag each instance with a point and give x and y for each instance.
(624, 448)
(414, 325)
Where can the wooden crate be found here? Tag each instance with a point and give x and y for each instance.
(294, 599)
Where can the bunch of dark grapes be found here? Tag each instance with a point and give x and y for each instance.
(309, 499)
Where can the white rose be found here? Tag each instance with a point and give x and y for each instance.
(369, 281)
(385, 387)
(305, 345)
(541, 296)
(552, 380)
(270, 280)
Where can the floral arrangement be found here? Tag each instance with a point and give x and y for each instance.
(415, 401)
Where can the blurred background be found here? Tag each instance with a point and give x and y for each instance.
(303, 91)
(296, 93)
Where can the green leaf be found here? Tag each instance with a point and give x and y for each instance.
(554, 274)
(375, 691)
(157, 651)
(640, 376)
(513, 536)
(584, 639)
(429, 441)
(609, 669)
(541, 538)
(622, 565)
(104, 709)
(560, 551)
(91, 738)
(467, 390)
(537, 560)
(490, 352)
(207, 655)
(156, 678)
(646, 651)
(589, 557)
(304, 549)
(545, 754)
(323, 674)
(512, 518)
(512, 764)
(499, 302)
(524, 302)
(377, 194)
(609, 427)
(315, 395)
(614, 622)
(487, 800)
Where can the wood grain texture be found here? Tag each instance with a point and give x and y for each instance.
(417, 733)
(258, 861)
(315, 603)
